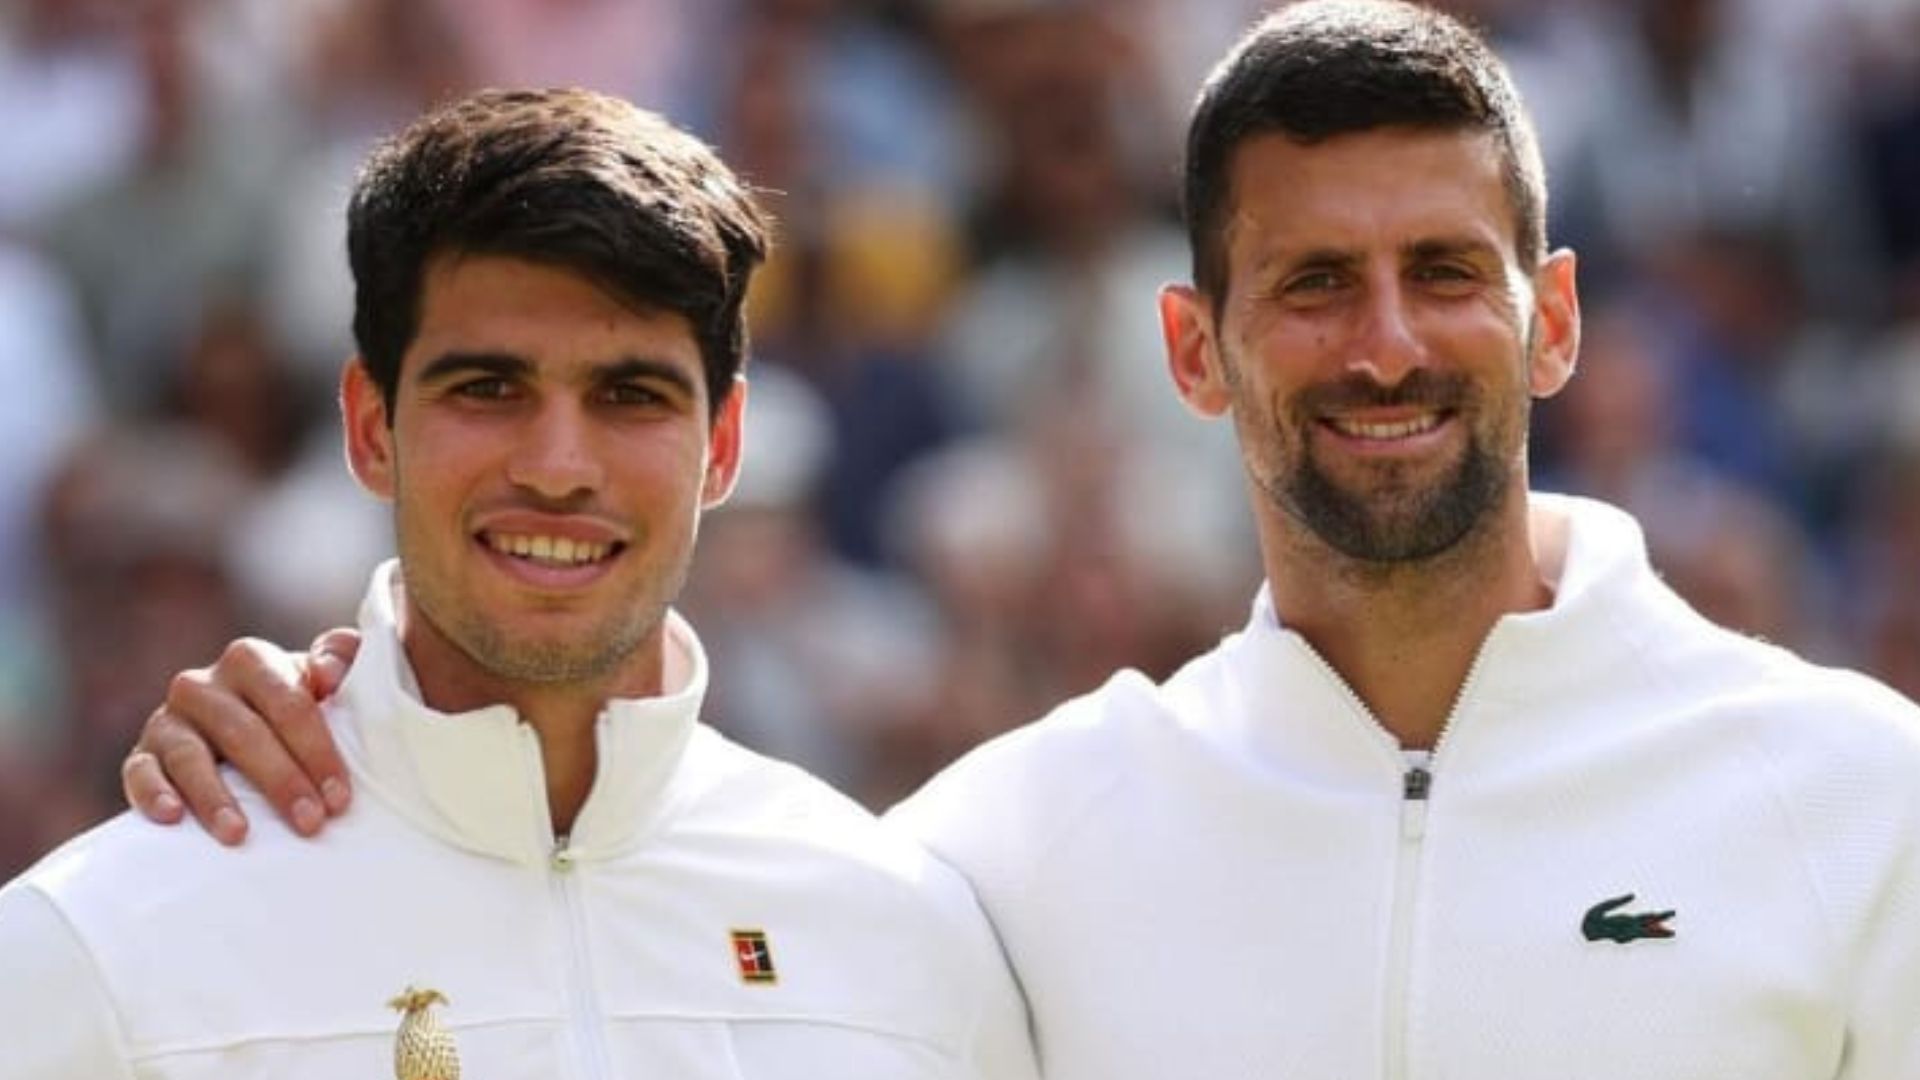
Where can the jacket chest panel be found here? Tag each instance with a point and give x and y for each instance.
(1490, 928)
(596, 970)
(1667, 934)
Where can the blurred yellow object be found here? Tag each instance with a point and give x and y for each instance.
(878, 263)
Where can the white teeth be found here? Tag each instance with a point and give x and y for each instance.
(1398, 430)
(559, 550)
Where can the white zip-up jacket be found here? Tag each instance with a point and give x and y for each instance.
(713, 915)
(1237, 874)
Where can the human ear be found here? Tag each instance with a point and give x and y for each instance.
(1556, 319)
(723, 446)
(1193, 353)
(369, 433)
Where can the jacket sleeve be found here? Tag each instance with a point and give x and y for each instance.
(59, 1022)
(985, 840)
(1883, 1042)
(1003, 1040)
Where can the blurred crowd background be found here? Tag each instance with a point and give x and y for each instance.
(970, 490)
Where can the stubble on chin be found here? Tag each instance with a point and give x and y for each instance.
(1396, 520)
(535, 661)
(1390, 518)
(506, 649)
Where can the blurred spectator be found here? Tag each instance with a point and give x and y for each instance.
(234, 386)
(1722, 325)
(72, 105)
(40, 807)
(1743, 563)
(1719, 118)
(1718, 541)
(136, 522)
(302, 548)
(1057, 322)
(851, 133)
(1885, 41)
(148, 246)
(821, 657)
(1052, 562)
(626, 47)
(971, 523)
(50, 405)
(364, 68)
(1884, 609)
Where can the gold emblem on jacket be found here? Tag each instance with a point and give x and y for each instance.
(422, 1049)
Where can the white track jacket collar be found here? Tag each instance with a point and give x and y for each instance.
(475, 779)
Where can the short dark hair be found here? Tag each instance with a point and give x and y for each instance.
(570, 178)
(1322, 68)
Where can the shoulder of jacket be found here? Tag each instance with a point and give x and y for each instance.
(1842, 752)
(1835, 707)
(128, 869)
(1078, 746)
(998, 810)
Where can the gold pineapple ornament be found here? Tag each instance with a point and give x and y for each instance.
(423, 1050)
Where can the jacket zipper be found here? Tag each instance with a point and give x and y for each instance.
(583, 1005)
(1416, 785)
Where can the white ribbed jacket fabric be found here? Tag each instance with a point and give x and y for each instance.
(140, 951)
(1223, 877)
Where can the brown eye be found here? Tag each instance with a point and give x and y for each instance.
(1445, 273)
(632, 394)
(487, 389)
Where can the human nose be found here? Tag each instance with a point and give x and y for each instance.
(556, 457)
(1387, 347)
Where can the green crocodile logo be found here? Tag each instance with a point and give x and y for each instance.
(1602, 924)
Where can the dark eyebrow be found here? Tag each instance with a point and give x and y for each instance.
(452, 365)
(1320, 259)
(640, 367)
(1451, 247)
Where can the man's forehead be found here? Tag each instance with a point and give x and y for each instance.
(451, 272)
(1353, 190)
(557, 319)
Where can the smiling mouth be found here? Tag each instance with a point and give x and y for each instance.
(551, 550)
(1383, 431)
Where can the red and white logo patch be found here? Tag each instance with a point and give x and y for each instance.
(755, 958)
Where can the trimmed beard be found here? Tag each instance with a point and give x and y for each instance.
(1396, 521)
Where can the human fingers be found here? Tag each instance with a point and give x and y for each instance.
(143, 783)
(304, 730)
(328, 659)
(241, 707)
(172, 767)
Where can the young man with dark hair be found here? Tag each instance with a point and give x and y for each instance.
(1473, 794)
(548, 848)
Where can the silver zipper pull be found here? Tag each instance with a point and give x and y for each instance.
(1417, 783)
